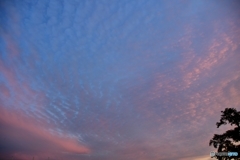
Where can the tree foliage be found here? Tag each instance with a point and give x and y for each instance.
(228, 141)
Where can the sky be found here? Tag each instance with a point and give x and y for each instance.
(116, 80)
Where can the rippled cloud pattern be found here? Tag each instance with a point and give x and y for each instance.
(116, 80)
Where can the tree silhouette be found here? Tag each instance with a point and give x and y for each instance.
(228, 141)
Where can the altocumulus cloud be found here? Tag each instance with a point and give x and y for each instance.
(116, 80)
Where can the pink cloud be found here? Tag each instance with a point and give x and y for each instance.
(27, 130)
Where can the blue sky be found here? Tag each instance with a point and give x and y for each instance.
(128, 80)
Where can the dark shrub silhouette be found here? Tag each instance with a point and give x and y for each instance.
(228, 141)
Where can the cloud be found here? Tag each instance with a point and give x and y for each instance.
(115, 80)
(26, 135)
